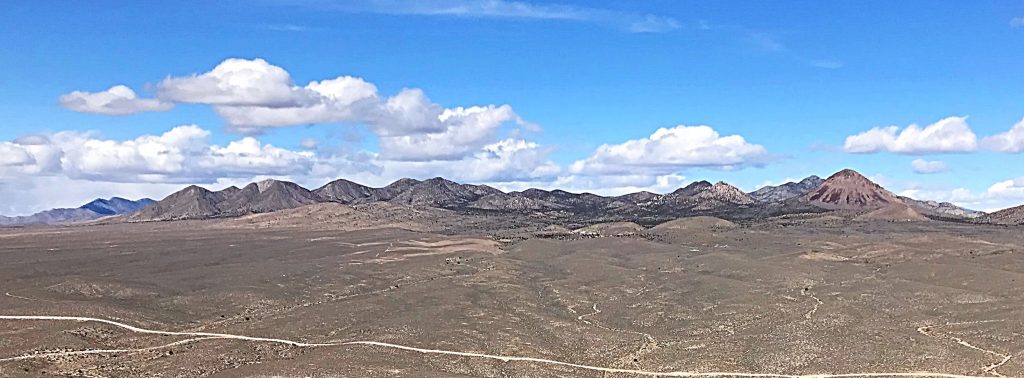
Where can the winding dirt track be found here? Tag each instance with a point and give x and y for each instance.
(200, 336)
(991, 368)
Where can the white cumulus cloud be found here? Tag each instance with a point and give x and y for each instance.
(183, 154)
(252, 95)
(234, 82)
(1011, 141)
(13, 155)
(466, 131)
(504, 161)
(668, 150)
(948, 135)
(342, 99)
(928, 166)
(33, 158)
(118, 100)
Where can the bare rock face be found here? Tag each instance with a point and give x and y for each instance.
(635, 203)
(1011, 216)
(723, 192)
(682, 198)
(849, 190)
(788, 190)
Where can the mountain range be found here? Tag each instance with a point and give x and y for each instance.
(844, 191)
(96, 209)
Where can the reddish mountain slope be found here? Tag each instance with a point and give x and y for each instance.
(849, 190)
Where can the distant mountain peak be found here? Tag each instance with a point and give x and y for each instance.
(812, 178)
(704, 196)
(264, 185)
(95, 209)
(345, 191)
(724, 192)
(441, 192)
(780, 193)
(850, 190)
(192, 190)
(116, 205)
(849, 174)
(693, 188)
(405, 182)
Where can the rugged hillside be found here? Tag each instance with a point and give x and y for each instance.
(267, 196)
(690, 190)
(702, 196)
(394, 189)
(579, 202)
(1011, 216)
(513, 202)
(95, 209)
(639, 198)
(724, 193)
(439, 192)
(230, 191)
(788, 190)
(849, 190)
(193, 202)
(347, 192)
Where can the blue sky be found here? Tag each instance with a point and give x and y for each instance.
(554, 82)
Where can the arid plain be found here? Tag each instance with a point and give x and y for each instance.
(267, 296)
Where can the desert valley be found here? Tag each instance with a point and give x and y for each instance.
(833, 277)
